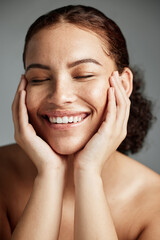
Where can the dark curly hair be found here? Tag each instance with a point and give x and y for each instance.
(89, 18)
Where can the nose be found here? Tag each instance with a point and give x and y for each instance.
(62, 91)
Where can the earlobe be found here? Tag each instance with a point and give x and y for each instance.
(127, 80)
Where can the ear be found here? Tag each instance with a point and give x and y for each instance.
(126, 78)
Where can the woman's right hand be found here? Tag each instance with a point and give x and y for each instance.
(42, 155)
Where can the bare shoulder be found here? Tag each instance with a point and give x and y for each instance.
(16, 175)
(7, 175)
(133, 193)
(14, 163)
(149, 179)
(145, 185)
(133, 166)
(128, 172)
(147, 200)
(8, 164)
(16, 171)
(145, 180)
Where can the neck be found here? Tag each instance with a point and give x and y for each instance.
(69, 179)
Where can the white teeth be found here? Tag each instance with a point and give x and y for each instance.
(79, 119)
(75, 119)
(54, 120)
(70, 119)
(65, 119)
(59, 120)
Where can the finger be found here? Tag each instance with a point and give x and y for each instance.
(22, 84)
(119, 83)
(15, 108)
(126, 98)
(111, 107)
(15, 104)
(110, 114)
(120, 102)
(123, 104)
(121, 94)
(121, 98)
(23, 114)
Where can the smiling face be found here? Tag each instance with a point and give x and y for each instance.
(67, 72)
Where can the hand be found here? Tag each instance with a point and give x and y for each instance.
(38, 150)
(111, 133)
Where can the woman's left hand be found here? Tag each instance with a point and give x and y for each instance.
(111, 133)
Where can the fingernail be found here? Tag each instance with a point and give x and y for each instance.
(116, 74)
(113, 79)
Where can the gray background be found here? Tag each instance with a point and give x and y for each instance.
(139, 21)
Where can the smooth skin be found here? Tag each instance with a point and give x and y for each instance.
(92, 193)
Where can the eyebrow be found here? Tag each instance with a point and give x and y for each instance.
(70, 65)
(37, 65)
(81, 61)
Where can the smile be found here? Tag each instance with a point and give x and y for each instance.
(65, 119)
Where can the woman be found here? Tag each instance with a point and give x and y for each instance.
(65, 179)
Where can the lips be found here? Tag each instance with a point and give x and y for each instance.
(61, 119)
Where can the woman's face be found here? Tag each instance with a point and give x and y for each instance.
(68, 76)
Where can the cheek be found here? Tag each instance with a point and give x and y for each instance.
(97, 94)
(33, 99)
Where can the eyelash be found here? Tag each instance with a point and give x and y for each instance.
(39, 80)
(34, 81)
(81, 77)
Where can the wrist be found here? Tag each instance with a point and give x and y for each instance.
(84, 169)
(50, 173)
(87, 175)
(49, 168)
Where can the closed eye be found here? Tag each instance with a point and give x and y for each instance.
(39, 80)
(85, 76)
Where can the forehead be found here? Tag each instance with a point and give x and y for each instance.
(64, 42)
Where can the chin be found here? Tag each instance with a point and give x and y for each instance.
(67, 145)
(66, 149)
